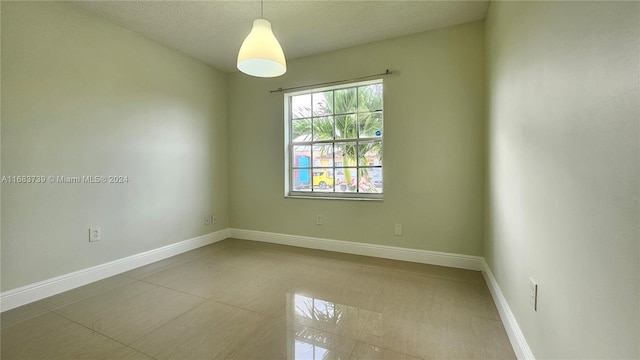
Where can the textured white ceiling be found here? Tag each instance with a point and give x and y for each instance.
(212, 31)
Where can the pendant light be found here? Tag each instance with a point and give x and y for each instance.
(261, 54)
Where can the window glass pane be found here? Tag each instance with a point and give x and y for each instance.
(346, 154)
(370, 97)
(375, 174)
(346, 127)
(345, 101)
(301, 156)
(322, 103)
(323, 179)
(370, 124)
(323, 155)
(301, 130)
(323, 128)
(370, 153)
(345, 180)
(301, 179)
(368, 179)
(301, 106)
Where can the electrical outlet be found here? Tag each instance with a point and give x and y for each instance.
(533, 294)
(214, 219)
(319, 219)
(94, 234)
(398, 230)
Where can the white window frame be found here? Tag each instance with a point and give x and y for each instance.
(288, 148)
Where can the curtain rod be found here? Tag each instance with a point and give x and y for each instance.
(387, 72)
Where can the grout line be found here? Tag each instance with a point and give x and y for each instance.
(165, 324)
(125, 299)
(247, 338)
(134, 349)
(172, 289)
(98, 332)
(83, 297)
(41, 310)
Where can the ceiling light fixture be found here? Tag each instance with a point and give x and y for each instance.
(261, 54)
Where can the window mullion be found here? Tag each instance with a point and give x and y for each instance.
(333, 114)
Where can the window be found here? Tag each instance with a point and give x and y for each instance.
(334, 139)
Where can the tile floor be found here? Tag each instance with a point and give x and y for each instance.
(238, 299)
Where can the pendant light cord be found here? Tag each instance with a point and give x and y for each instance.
(261, 10)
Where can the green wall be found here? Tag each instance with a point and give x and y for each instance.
(81, 96)
(564, 172)
(433, 145)
(546, 165)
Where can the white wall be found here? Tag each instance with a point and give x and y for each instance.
(81, 96)
(563, 176)
(433, 145)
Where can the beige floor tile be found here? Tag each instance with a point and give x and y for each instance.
(19, 314)
(263, 246)
(83, 292)
(436, 333)
(406, 266)
(364, 351)
(408, 292)
(130, 311)
(343, 296)
(455, 338)
(96, 303)
(336, 275)
(255, 294)
(326, 314)
(410, 331)
(200, 278)
(127, 353)
(390, 330)
(424, 269)
(249, 258)
(466, 298)
(279, 339)
(147, 270)
(273, 340)
(293, 255)
(212, 330)
(490, 340)
(49, 336)
(312, 343)
(413, 291)
(362, 279)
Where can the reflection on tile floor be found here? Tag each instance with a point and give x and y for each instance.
(239, 299)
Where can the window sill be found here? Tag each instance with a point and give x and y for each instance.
(333, 198)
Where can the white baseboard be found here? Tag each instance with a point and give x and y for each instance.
(516, 337)
(40, 290)
(382, 251)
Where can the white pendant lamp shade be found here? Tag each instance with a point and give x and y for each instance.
(260, 54)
